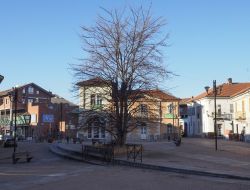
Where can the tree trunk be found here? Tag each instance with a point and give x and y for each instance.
(121, 140)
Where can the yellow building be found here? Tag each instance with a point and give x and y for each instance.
(153, 114)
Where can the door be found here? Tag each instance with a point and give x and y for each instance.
(143, 133)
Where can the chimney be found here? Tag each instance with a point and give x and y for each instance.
(230, 80)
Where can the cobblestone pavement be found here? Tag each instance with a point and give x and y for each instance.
(231, 158)
(199, 154)
(47, 171)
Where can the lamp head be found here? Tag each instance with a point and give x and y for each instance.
(27, 118)
(207, 88)
(1, 78)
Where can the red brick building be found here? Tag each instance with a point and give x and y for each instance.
(50, 114)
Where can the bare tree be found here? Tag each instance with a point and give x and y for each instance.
(123, 49)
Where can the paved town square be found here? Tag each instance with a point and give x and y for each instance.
(48, 171)
(124, 95)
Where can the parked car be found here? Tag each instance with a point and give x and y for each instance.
(8, 141)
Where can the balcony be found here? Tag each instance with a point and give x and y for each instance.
(223, 116)
(147, 115)
(240, 115)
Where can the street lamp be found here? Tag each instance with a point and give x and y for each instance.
(1, 78)
(215, 92)
(13, 98)
(26, 116)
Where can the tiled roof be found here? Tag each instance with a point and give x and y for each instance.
(58, 100)
(92, 82)
(185, 100)
(225, 90)
(160, 94)
(5, 93)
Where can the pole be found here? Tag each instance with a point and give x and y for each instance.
(61, 118)
(15, 102)
(173, 116)
(215, 114)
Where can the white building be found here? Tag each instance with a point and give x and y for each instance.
(231, 102)
(241, 108)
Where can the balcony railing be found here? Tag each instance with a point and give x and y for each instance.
(147, 115)
(223, 116)
(240, 115)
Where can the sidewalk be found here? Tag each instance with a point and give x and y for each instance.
(197, 154)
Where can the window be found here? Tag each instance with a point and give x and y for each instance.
(249, 104)
(103, 132)
(96, 132)
(219, 130)
(30, 100)
(37, 92)
(144, 110)
(219, 109)
(99, 100)
(6, 101)
(170, 108)
(243, 106)
(143, 130)
(231, 108)
(95, 99)
(169, 128)
(198, 116)
(92, 99)
(23, 90)
(31, 90)
(89, 132)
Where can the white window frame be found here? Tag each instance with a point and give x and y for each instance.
(31, 90)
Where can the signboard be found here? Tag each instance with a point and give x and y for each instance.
(168, 116)
(48, 118)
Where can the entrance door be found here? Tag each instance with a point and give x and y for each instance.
(219, 126)
(143, 133)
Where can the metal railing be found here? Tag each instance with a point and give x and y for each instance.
(223, 116)
(105, 153)
(134, 152)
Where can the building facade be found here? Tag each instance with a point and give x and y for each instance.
(49, 113)
(231, 111)
(155, 112)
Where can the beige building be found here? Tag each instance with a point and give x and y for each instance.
(155, 113)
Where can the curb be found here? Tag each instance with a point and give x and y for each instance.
(59, 151)
(147, 166)
(179, 170)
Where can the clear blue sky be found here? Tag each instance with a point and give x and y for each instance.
(210, 39)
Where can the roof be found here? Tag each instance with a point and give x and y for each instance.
(160, 95)
(6, 92)
(185, 100)
(93, 82)
(225, 90)
(58, 100)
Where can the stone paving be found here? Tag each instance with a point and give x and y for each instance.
(196, 154)
(48, 171)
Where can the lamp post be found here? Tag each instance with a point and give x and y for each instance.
(27, 117)
(13, 98)
(215, 92)
(1, 78)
